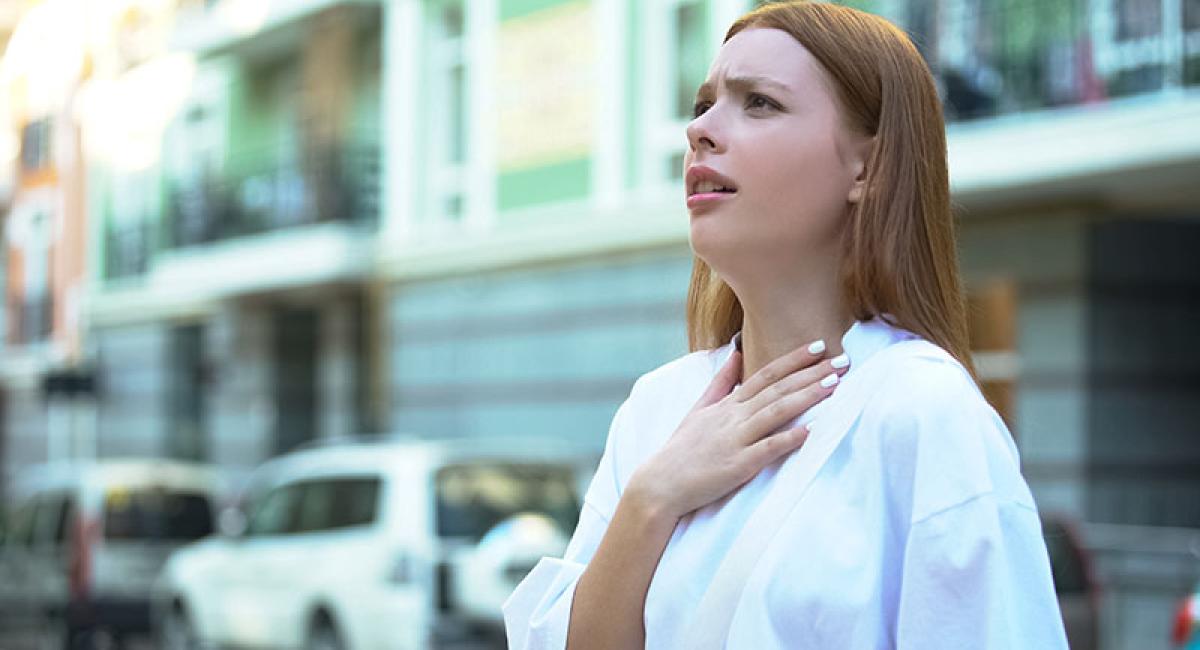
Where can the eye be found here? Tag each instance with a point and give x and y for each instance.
(699, 108)
(757, 101)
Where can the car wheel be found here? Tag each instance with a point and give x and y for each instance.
(323, 636)
(177, 632)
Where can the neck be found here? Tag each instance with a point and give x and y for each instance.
(784, 316)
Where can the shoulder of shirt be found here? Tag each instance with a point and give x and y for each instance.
(919, 374)
(938, 425)
(677, 373)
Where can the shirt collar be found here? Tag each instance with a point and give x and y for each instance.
(863, 339)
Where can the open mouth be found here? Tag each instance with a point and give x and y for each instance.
(709, 187)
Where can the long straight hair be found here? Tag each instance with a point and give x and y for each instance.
(900, 262)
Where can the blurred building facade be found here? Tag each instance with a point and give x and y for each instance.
(327, 217)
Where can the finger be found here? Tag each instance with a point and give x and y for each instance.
(838, 365)
(727, 377)
(775, 446)
(787, 408)
(778, 369)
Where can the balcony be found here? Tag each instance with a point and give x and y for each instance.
(127, 249)
(250, 27)
(337, 186)
(1067, 101)
(1000, 58)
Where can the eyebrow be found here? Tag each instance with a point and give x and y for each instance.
(741, 84)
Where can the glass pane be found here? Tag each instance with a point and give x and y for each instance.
(1138, 18)
(21, 527)
(315, 506)
(453, 206)
(675, 166)
(355, 502)
(689, 56)
(277, 513)
(451, 18)
(1066, 561)
(471, 499)
(457, 107)
(337, 503)
(156, 515)
(62, 528)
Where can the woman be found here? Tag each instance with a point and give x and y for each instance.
(856, 491)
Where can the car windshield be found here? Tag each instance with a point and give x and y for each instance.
(472, 498)
(156, 514)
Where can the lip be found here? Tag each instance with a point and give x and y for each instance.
(698, 173)
(708, 199)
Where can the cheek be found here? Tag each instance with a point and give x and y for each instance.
(798, 178)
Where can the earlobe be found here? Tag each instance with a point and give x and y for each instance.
(859, 187)
(856, 192)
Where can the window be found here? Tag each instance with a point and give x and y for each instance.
(676, 50)
(447, 109)
(49, 520)
(187, 392)
(332, 504)
(20, 531)
(1147, 45)
(471, 499)
(277, 512)
(156, 514)
(35, 145)
(1067, 564)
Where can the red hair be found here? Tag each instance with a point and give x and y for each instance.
(900, 257)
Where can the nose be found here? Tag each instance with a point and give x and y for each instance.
(702, 136)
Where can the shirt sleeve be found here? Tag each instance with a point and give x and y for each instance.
(977, 575)
(537, 613)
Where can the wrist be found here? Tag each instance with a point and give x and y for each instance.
(648, 502)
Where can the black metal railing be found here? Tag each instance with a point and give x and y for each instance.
(997, 57)
(338, 184)
(127, 248)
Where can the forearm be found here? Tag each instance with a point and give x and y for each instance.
(611, 593)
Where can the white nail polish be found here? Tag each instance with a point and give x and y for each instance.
(829, 380)
(817, 347)
(840, 361)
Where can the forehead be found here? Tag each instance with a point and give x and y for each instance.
(765, 52)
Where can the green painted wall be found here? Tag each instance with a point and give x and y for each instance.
(517, 8)
(556, 182)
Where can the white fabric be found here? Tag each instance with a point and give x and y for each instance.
(917, 532)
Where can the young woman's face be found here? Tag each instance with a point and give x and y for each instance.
(768, 129)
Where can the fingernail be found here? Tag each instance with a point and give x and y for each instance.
(817, 347)
(829, 380)
(840, 361)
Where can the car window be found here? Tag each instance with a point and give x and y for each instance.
(54, 520)
(472, 498)
(49, 520)
(1066, 559)
(156, 514)
(334, 503)
(277, 512)
(21, 529)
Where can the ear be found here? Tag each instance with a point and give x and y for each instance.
(859, 159)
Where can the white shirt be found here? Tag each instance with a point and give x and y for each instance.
(917, 532)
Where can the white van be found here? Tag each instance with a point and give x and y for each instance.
(85, 541)
(400, 543)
